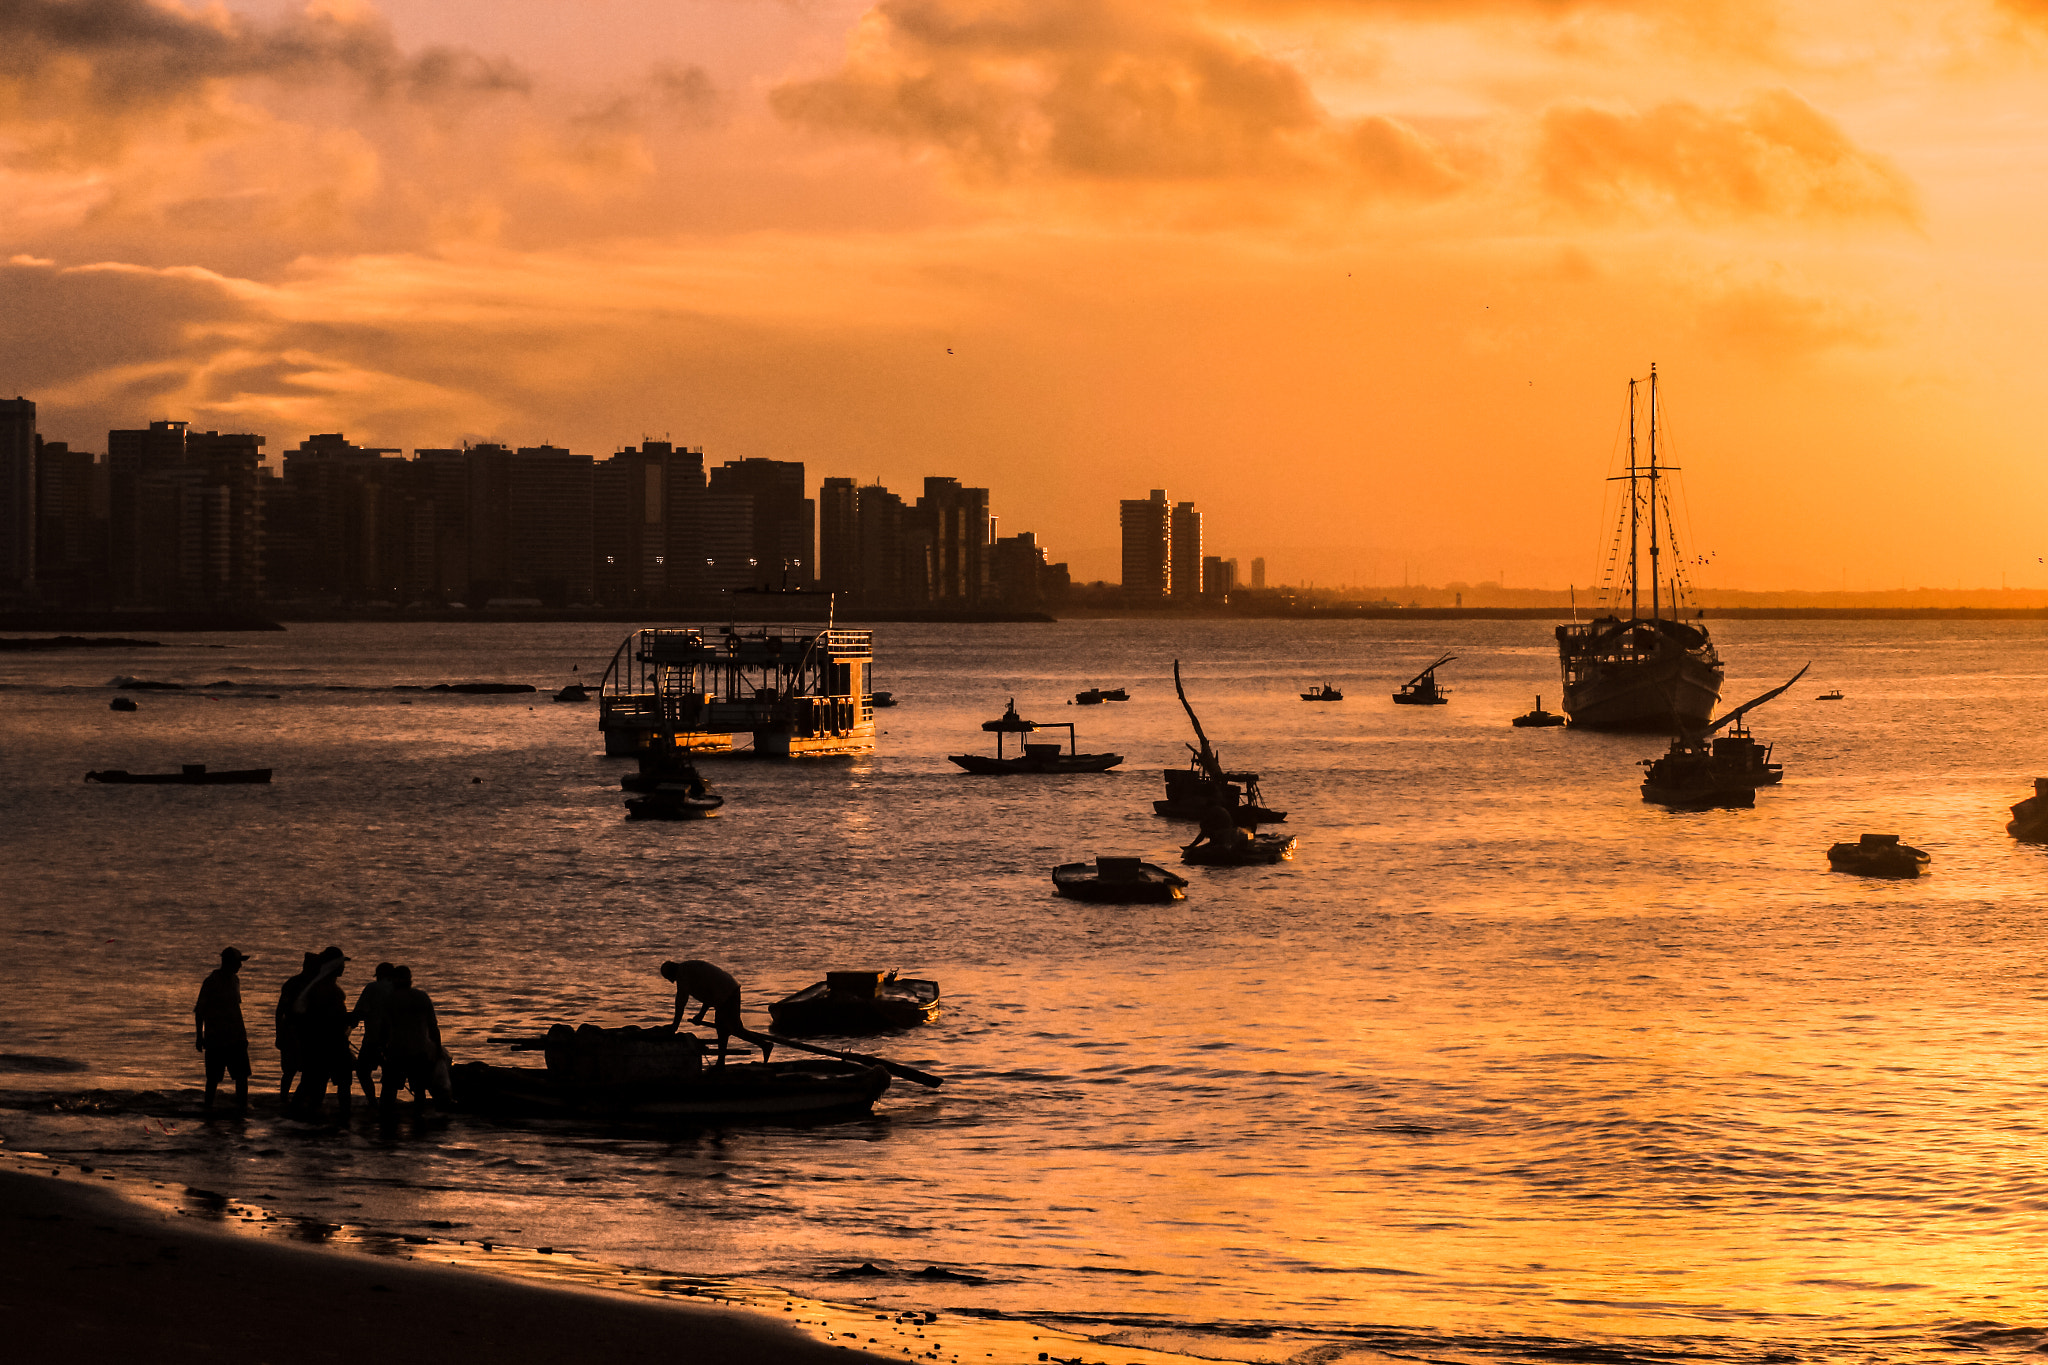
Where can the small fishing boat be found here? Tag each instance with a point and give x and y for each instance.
(192, 774)
(1702, 770)
(1835, 695)
(1878, 855)
(1118, 881)
(881, 699)
(668, 785)
(857, 1002)
(1095, 696)
(1422, 689)
(658, 1077)
(1036, 758)
(2029, 821)
(1538, 717)
(1326, 692)
(1259, 848)
(1204, 782)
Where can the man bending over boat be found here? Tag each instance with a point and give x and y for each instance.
(1219, 828)
(715, 990)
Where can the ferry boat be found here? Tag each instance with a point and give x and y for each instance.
(1652, 672)
(793, 688)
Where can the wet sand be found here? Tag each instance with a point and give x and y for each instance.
(86, 1274)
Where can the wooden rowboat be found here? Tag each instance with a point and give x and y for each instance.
(1260, 848)
(857, 1002)
(193, 774)
(1118, 881)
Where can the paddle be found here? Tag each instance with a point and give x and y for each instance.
(908, 1073)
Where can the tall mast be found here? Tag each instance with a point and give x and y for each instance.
(1632, 505)
(1654, 614)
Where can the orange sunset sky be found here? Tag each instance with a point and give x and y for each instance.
(1364, 279)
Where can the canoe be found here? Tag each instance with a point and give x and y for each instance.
(1118, 881)
(1036, 758)
(807, 1091)
(857, 1002)
(193, 774)
(1878, 855)
(1260, 848)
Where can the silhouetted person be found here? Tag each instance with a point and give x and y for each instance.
(321, 1013)
(220, 1034)
(288, 1050)
(412, 1043)
(715, 990)
(369, 1012)
(1219, 828)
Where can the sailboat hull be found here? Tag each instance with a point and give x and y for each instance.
(1659, 695)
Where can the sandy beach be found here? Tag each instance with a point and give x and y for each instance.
(88, 1275)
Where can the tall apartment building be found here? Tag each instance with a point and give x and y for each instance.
(1259, 572)
(184, 515)
(1186, 570)
(1219, 578)
(839, 539)
(358, 523)
(647, 508)
(71, 525)
(1147, 549)
(530, 530)
(18, 442)
(783, 533)
(955, 526)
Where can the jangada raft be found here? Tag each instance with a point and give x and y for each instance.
(1118, 881)
(857, 1002)
(659, 1077)
(1699, 771)
(1036, 758)
(1204, 782)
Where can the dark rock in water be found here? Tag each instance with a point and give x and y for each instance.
(483, 689)
(932, 1272)
(573, 692)
(79, 642)
(32, 1061)
(224, 682)
(144, 685)
(121, 704)
(866, 1270)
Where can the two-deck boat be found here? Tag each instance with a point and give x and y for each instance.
(800, 688)
(1654, 672)
(1036, 758)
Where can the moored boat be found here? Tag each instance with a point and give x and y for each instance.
(1118, 881)
(1326, 692)
(1256, 849)
(1036, 758)
(1204, 783)
(1095, 696)
(668, 785)
(881, 698)
(2029, 821)
(1835, 695)
(1702, 769)
(857, 1002)
(1654, 672)
(1422, 689)
(1538, 717)
(1878, 855)
(192, 774)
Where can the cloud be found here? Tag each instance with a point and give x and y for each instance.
(1776, 157)
(1105, 92)
(78, 76)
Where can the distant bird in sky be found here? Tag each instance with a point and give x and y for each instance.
(949, 350)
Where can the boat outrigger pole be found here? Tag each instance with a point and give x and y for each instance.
(1205, 756)
(1749, 705)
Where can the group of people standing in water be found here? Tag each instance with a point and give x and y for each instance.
(315, 1027)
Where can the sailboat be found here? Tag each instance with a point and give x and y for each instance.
(1655, 672)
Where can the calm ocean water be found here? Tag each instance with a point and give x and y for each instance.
(1506, 1066)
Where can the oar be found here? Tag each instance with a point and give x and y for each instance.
(908, 1073)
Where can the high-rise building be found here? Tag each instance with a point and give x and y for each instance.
(18, 443)
(1024, 581)
(530, 531)
(1186, 571)
(1147, 549)
(894, 568)
(955, 524)
(71, 525)
(783, 537)
(839, 539)
(1259, 572)
(1219, 578)
(645, 513)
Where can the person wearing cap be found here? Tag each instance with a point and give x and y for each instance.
(288, 1048)
(221, 1037)
(715, 990)
(321, 1013)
